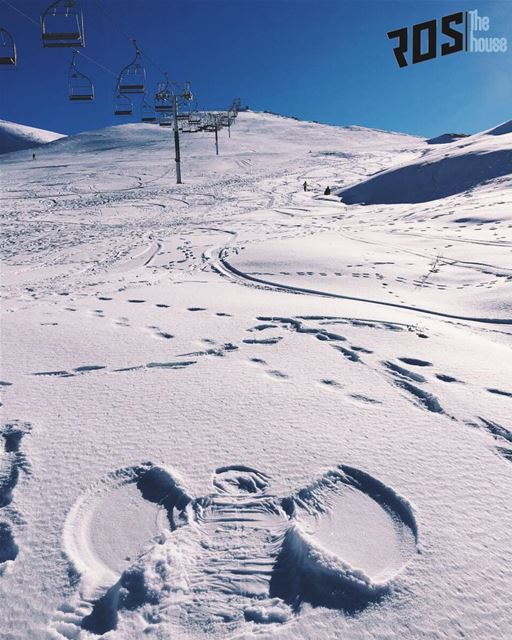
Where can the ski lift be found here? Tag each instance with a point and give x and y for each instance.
(225, 120)
(7, 49)
(187, 92)
(163, 97)
(62, 25)
(80, 87)
(147, 111)
(191, 127)
(122, 105)
(166, 120)
(193, 124)
(133, 77)
(184, 114)
(210, 123)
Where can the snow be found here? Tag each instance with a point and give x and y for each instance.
(15, 137)
(445, 138)
(236, 409)
(440, 172)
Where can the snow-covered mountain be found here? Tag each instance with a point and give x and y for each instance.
(237, 409)
(16, 137)
(440, 171)
(446, 138)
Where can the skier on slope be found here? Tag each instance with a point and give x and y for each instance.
(305, 185)
(327, 191)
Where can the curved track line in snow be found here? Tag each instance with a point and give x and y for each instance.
(224, 268)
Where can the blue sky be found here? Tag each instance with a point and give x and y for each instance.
(325, 60)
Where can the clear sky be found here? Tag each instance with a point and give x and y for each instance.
(325, 60)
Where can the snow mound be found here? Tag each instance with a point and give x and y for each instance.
(439, 172)
(15, 137)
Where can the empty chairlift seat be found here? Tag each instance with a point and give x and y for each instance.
(165, 122)
(80, 87)
(7, 49)
(132, 78)
(147, 111)
(62, 25)
(122, 105)
(193, 124)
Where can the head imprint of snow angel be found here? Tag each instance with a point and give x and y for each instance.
(240, 480)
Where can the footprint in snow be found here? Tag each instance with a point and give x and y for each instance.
(500, 392)
(15, 462)
(240, 553)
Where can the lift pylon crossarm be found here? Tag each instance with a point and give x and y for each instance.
(132, 78)
(62, 25)
(7, 49)
(80, 86)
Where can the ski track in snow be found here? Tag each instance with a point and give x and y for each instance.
(249, 337)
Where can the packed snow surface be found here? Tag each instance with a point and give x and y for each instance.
(14, 137)
(237, 409)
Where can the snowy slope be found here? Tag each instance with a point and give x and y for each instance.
(445, 138)
(15, 137)
(440, 172)
(235, 409)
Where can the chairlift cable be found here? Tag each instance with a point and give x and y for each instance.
(114, 21)
(123, 32)
(98, 64)
(21, 13)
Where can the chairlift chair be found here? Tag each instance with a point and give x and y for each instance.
(163, 103)
(122, 105)
(187, 92)
(147, 112)
(132, 78)
(166, 119)
(7, 49)
(62, 25)
(193, 124)
(80, 87)
(209, 122)
(164, 97)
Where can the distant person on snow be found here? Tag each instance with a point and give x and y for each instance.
(305, 185)
(33, 156)
(327, 191)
